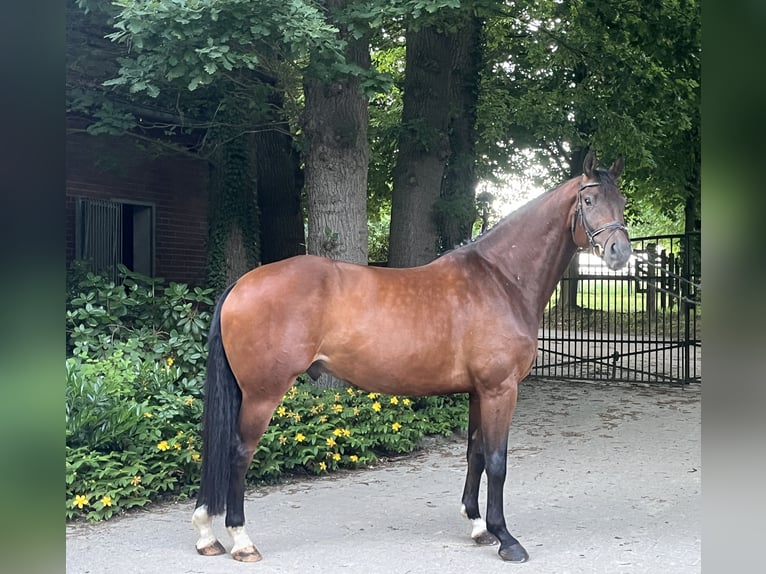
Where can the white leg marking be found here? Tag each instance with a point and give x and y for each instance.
(479, 524)
(479, 528)
(240, 538)
(204, 525)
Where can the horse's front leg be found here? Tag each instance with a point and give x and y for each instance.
(496, 415)
(475, 459)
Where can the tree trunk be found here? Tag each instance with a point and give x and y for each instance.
(570, 282)
(336, 159)
(457, 207)
(233, 247)
(423, 148)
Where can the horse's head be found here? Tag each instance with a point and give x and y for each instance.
(598, 220)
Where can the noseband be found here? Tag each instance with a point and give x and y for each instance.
(589, 231)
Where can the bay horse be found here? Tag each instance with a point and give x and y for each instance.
(465, 323)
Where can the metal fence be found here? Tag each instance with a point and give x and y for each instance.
(639, 324)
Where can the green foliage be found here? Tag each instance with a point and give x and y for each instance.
(196, 40)
(555, 80)
(233, 210)
(140, 317)
(377, 235)
(132, 434)
(134, 381)
(320, 431)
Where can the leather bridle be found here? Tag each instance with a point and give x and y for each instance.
(614, 226)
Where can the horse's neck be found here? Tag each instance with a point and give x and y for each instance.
(530, 249)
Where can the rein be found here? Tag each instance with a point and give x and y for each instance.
(589, 231)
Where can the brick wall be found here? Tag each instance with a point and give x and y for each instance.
(108, 167)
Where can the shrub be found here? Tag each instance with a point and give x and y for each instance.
(132, 433)
(145, 319)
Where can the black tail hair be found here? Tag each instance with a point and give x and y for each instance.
(223, 399)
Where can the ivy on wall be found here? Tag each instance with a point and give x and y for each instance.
(234, 226)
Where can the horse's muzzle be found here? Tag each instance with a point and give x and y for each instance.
(617, 251)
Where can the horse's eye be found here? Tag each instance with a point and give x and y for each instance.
(588, 201)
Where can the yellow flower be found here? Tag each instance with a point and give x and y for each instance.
(296, 417)
(136, 480)
(396, 426)
(394, 400)
(195, 456)
(350, 391)
(346, 432)
(337, 408)
(170, 361)
(376, 406)
(336, 456)
(372, 396)
(322, 466)
(406, 402)
(163, 445)
(281, 411)
(177, 446)
(337, 397)
(353, 458)
(338, 432)
(356, 411)
(300, 437)
(148, 415)
(189, 401)
(323, 419)
(330, 441)
(80, 501)
(106, 500)
(282, 439)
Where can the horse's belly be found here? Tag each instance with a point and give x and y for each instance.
(403, 375)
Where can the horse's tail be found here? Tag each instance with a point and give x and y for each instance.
(223, 399)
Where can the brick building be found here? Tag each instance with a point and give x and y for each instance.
(125, 205)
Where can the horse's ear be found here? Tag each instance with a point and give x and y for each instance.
(616, 168)
(589, 164)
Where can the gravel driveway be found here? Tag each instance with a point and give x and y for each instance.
(601, 479)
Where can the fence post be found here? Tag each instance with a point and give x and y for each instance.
(663, 281)
(651, 285)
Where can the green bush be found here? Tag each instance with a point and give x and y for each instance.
(134, 381)
(147, 320)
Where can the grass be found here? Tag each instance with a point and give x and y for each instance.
(616, 306)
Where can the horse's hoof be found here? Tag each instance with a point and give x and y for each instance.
(514, 553)
(214, 549)
(485, 539)
(247, 554)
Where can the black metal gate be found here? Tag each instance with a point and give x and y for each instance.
(640, 324)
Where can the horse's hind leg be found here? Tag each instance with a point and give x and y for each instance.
(253, 420)
(207, 544)
(475, 458)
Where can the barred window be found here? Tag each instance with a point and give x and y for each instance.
(111, 232)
